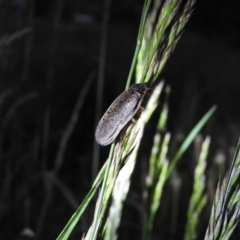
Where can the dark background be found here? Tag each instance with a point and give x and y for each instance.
(48, 49)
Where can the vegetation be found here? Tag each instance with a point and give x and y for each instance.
(142, 179)
(158, 35)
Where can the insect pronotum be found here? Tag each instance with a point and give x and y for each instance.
(121, 111)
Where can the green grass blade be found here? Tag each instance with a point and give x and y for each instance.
(75, 217)
(189, 139)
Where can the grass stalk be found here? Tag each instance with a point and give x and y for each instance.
(225, 212)
(123, 180)
(198, 198)
(155, 43)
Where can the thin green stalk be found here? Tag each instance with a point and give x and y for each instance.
(230, 176)
(76, 216)
(225, 212)
(139, 40)
(162, 177)
(188, 140)
(122, 185)
(98, 211)
(198, 199)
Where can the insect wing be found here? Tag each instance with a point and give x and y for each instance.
(118, 115)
